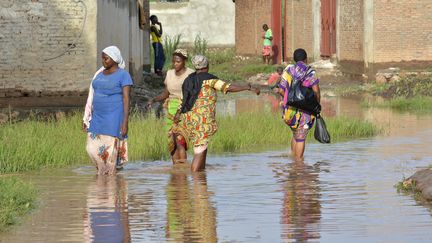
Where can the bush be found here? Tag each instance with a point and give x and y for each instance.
(16, 199)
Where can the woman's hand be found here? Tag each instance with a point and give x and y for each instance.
(124, 129)
(84, 127)
(257, 91)
(176, 118)
(149, 104)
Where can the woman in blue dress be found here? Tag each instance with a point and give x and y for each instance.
(107, 113)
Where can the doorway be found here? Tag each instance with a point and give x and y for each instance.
(328, 28)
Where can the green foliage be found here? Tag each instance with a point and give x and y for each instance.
(220, 56)
(200, 46)
(406, 186)
(413, 85)
(407, 87)
(240, 70)
(412, 93)
(170, 44)
(250, 132)
(417, 104)
(409, 186)
(343, 128)
(16, 199)
(348, 90)
(31, 145)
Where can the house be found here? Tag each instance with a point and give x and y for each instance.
(361, 35)
(53, 48)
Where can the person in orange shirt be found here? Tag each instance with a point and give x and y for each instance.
(274, 79)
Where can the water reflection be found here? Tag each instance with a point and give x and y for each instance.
(106, 217)
(301, 208)
(191, 217)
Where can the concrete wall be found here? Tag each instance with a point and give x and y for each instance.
(52, 47)
(118, 24)
(249, 18)
(213, 20)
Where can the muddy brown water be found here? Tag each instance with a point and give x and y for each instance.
(344, 192)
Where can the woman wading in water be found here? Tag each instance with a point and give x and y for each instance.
(298, 120)
(172, 95)
(197, 113)
(106, 115)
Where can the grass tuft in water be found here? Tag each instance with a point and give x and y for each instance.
(16, 199)
(409, 186)
(419, 104)
(31, 145)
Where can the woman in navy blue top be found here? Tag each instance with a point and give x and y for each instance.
(107, 113)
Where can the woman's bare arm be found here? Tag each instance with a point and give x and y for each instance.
(316, 90)
(237, 88)
(126, 98)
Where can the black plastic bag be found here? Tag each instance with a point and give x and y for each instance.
(321, 134)
(303, 98)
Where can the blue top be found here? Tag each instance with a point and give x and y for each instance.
(107, 114)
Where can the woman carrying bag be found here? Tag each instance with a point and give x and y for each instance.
(300, 121)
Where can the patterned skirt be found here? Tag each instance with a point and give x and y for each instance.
(106, 152)
(175, 133)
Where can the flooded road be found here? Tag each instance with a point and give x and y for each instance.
(343, 192)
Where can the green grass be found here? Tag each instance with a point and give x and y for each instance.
(409, 187)
(238, 69)
(16, 199)
(417, 104)
(32, 145)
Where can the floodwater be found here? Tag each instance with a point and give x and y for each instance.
(344, 192)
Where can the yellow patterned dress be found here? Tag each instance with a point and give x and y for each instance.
(200, 121)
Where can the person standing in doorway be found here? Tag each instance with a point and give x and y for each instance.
(156, 36)
(267, 48)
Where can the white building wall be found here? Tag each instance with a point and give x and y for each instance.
(213, 20)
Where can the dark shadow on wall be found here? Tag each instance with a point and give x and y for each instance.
(275, 51)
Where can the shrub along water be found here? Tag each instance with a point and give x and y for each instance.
(418, 104)
(16, 199)
(411, 93)
(31, 144)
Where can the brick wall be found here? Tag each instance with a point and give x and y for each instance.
(52, 47)
(350, 39)
(403, 30)
(299, 26)
(43, 50)
(250, 16)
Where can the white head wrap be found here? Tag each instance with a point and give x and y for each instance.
(199, 62)
(114, 53)
(182, 52)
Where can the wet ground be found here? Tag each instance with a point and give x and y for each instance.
(344, 192)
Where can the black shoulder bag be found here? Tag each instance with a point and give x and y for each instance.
(303, 97)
